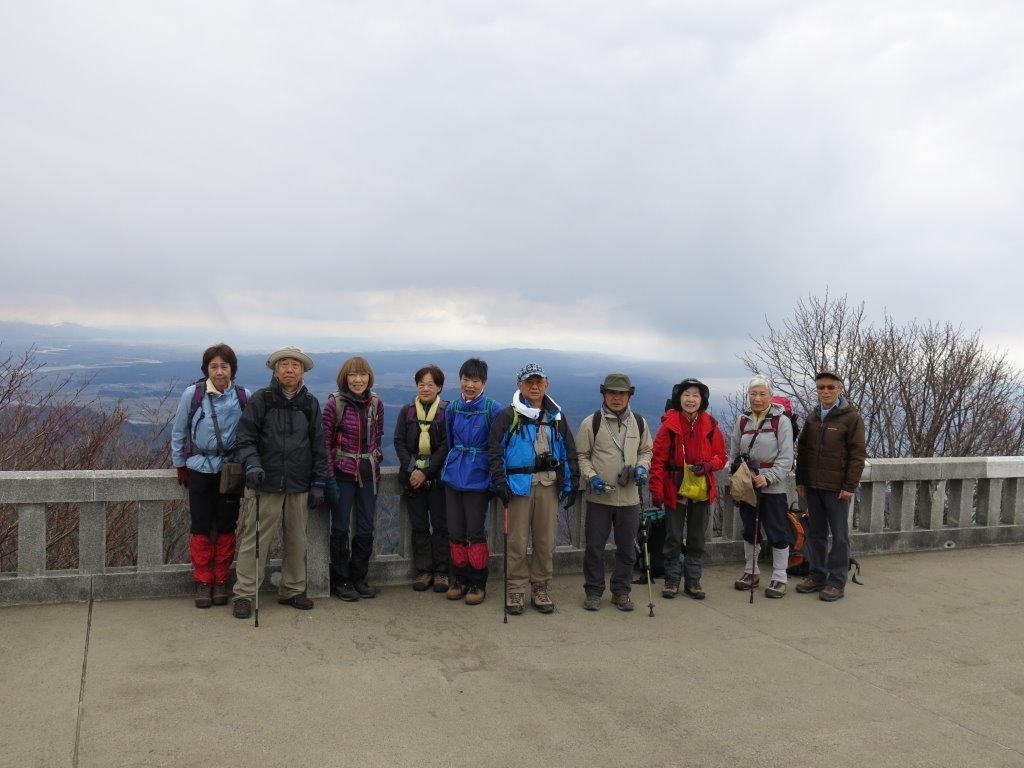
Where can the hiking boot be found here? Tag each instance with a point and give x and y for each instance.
(347, 592)
(623, 603)
(810, 585)
(221, 593)
(541, 600)
(516, 600)
(670, 590)
(475, 595)
(300, 601)
(747, 582)
(204, 595)
(441, 583)
(831, 593)
(242, 609)
(456, 591)
(775, 589)
(423, 582)
(365, 590)
(592, 603)
(694, 590)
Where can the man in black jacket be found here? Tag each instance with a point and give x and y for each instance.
(281, 445)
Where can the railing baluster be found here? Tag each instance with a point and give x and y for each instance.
(932, 495)
(989, 497)
(871, 509)
(31, 539)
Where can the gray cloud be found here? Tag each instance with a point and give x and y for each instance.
(652, 176)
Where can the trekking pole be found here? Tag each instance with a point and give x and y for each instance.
(753, 557)
(259, 576)
(504, 536)
(647, 563)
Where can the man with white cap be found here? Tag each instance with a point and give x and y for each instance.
(533, 466)
(281, 445)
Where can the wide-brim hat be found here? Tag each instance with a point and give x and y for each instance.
(294, 353)
(617, 382)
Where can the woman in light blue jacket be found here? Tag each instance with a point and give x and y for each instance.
(202, 439)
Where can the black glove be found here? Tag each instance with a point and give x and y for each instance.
(316, 496)
(702, 468)
(254, 478)
(570, 499)
(735, 465)
(503, 492)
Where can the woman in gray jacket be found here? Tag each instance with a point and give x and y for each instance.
(763, 437)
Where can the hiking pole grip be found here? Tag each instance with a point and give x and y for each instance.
(504, 534)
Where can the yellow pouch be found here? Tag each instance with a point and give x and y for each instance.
(693, 486)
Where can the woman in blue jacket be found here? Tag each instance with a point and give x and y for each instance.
(202, 439)
(467, 481)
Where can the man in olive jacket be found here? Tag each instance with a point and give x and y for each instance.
(830, 459)
(614, 449)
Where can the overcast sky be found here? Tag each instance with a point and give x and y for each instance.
(638, 178)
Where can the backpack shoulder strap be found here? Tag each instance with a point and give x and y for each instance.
(595, 423)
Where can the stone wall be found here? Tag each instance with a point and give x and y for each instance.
(902, 505)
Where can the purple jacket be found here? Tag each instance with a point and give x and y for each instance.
(360, 431)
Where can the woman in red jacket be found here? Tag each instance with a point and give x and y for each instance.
(689, 437)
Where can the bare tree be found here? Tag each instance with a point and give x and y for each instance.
(46, 423)
(924, 389)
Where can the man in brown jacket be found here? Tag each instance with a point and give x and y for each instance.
(830, 459)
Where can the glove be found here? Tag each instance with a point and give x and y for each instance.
(570, 499)
(503, 492)
(703, 468)
(597, 485)
(182, 476)
(316, 497)
(332, 491)
(641, 475)
(254, 478)
(735, 465)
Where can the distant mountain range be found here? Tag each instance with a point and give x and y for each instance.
(143, 374)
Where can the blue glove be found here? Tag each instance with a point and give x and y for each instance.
(597, 485)
(641, 475)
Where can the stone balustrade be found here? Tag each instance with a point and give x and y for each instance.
(903, 505)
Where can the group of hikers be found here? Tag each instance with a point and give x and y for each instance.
(279, 451)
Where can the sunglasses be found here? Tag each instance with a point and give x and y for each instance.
(827, 386)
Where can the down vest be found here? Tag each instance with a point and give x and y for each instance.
(831, 453)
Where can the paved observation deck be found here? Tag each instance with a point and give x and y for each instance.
(921, 666)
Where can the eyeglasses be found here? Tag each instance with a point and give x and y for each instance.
(827, 386)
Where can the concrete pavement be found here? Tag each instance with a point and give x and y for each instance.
(922, 666)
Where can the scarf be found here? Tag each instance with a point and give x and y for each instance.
(425, 417)
(533, 413)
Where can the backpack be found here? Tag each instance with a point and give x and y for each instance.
(339, 411)
(596, 423)
(799, 556)
(799, 563)
(450, 423)
(197, 399)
